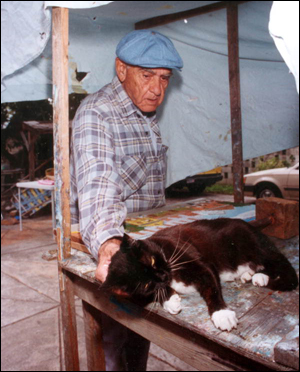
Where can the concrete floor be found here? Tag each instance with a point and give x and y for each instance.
(30, 311)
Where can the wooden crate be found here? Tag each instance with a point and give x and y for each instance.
(285, 214)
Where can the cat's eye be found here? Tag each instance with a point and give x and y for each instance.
(147, 285)
(152, 261)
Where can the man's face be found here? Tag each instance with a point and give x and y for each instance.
(145, 86)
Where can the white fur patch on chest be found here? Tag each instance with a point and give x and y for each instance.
(242, 271)
(181, 288)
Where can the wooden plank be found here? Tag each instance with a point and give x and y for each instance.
(287, 352)
(60, 19)
(93, 338)
(31, 154)
(79, 246)
(77, 242)
(165, 19)
(235, 100)
(196, 350)
(69, 327)
(255, 337)
(37, 126)
(264, 326)
(61, 128)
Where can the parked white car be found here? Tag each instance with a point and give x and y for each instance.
(279, 182)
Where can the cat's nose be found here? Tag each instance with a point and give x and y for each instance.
(163, 277)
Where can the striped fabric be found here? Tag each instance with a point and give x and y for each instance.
(116, 167)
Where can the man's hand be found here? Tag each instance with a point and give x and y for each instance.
(107, 250)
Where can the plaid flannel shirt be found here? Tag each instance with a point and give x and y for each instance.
(115, 166)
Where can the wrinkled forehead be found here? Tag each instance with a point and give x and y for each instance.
(166, 72)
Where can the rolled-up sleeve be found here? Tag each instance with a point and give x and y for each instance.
(99, 185)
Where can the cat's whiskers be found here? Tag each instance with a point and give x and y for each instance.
(174, 257)
(178, 268)
(137, 287)
(182, 263)
(153, 305)
(177, 245)
(157, 298)
(151, 309)
(160, 296)
(165, 294)
(181, 254)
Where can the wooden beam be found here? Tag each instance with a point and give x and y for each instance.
(60, 40)
(32, 137)
(235, 100)
(93, 337)
(165, 19)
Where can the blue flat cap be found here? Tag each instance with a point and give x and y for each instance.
(148, 48)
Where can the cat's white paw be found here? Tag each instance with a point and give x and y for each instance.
(246, 277)
(260, 280)
(173, 306)
(225, 319)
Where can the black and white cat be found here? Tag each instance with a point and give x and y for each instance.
(196, 257)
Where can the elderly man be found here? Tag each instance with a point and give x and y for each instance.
(119, 162)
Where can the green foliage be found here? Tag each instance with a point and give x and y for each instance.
(271, 163)
(220, 189)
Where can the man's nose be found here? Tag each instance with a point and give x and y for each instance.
(155, 86)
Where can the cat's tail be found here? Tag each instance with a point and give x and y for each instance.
(282, 275)
(261, 224)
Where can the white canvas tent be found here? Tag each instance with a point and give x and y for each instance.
(195, 117)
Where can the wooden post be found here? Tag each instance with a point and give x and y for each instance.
(31, 140)
(93, 337)
(235, 100)
(60, 17)
(61, 128)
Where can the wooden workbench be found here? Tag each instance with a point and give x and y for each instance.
(267, 337)
(34, 129)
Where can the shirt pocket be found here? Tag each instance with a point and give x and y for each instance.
(134, 171)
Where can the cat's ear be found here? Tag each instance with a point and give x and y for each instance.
(127, 244)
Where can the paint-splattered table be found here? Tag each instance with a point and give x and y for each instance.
(267, 337)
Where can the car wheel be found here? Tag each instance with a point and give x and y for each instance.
(268, 191)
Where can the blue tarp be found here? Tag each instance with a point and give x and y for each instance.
(195, 117)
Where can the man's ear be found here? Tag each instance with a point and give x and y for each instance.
(121, 69)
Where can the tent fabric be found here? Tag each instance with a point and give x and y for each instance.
(76, 4)
(25, 31)
(197, 129)
(284, 28)
(195, 116)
